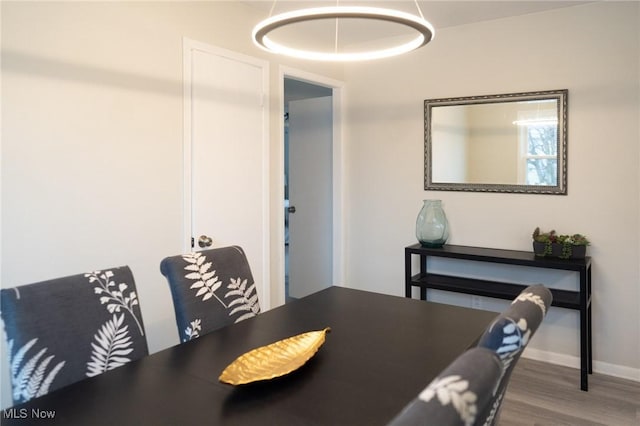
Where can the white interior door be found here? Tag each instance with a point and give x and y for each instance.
(226, 154)
(310, 192)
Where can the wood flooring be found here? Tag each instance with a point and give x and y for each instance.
(540, 393)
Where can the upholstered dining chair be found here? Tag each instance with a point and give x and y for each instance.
(210, 289)
(444, 402)
(460, 395)
(509, 334)
(63, 330)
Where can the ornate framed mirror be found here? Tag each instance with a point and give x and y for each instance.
(514, 142)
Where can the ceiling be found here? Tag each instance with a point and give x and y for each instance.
(354, 35)
(441, 14)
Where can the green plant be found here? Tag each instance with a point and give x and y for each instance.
(566, 241)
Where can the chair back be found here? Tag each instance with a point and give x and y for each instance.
(210, 289)
(459, 394)
(509, 334)
(63, 330)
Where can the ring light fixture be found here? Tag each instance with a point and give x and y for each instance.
(420, 25)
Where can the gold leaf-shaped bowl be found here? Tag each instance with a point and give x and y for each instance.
(274, 360)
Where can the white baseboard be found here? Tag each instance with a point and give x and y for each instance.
(600, 367)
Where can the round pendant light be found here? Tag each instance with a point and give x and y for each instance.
(423, 28)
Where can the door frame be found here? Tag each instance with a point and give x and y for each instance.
(337, 171)
(189, 46)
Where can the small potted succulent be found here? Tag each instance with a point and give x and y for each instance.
(551, 244)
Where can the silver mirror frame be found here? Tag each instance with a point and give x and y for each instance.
(560, 189)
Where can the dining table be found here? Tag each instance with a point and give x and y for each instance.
(381, 351)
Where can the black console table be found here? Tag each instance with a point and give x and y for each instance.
(579, 300)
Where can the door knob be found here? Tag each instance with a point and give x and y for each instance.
(291, 209)
(205, 241)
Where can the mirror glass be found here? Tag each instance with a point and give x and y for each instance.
(500, 143)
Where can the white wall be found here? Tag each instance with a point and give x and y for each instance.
(92, 139)
(593, 51)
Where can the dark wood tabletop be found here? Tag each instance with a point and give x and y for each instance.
(381, 352)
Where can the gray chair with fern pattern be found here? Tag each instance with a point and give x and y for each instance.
(443, 402)
(64, 330)
(509, 334)
(210, 289)
(460, 394)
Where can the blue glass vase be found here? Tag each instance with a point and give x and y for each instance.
(432, 228)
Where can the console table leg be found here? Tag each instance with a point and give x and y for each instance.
(590, 368)
(423, 273)
(585, 328)
(407, 275)
(584, 343)
(589, 319)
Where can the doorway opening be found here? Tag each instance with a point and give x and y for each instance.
(308, 187)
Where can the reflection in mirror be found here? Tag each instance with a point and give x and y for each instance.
(500, 143)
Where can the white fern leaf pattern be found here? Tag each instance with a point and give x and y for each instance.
(206, 282)
(16, 360)
(38, 376)
(244, 299)
(453, 390)
(25, 374)
(516, 336)
(114, 296)
(29, 381)
(193, 331)
(534, 298)
(111, 344)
